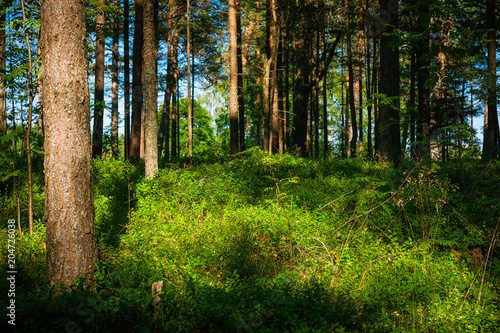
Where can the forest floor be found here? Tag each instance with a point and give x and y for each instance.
(279, 244)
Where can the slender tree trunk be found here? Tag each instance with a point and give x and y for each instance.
(325, 103)
(491, 130)
(316, 99)
(274, 91)
(301, 89)
(390, 142)
(150, 52)
(69, 211)
(175, 77)
(3, 90)
(114, 85)
(353, 130)
(40, 105)
(359, 79)
(126, 80)
(423, 63)
(28, 123)
(164, 132)
(241, 100)
(369, 95)
(411, 103)
(280, 120)
(233, 77)
(137, 83)
(188, 76)
(99, 82)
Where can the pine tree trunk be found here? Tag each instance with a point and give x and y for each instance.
(241, 100)
(359, 79)
(233, 78)
(150, 52)
(423, 63)
(164, 132)
(491, 131)
(3, 90)
(353, 130)
(126, 80)
(390, 142)
(302, 70)
(99, 83)
(69, 211)
(114, 85)
(188, 76)
(137, 83)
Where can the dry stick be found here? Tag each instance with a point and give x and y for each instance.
(332, 202)
(493, 240)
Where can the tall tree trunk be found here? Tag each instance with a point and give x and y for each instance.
(274, 93)
(99, 82)
(164, 132)
(126, 80)
(114, 85)
(325, 106)
(241, 100)
(390, 141)
(369, 95)
(423, 63)
(28, 123)
(353, 130)
(69, 211)
(188, 76)
(359, 79)
(137, 83)
(151, 92)
(233, 78)
(411, 102)
(491, 130)
(316, 99)
(175, 78)
(301, 89)
(3, 90)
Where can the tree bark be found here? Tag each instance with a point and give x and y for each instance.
(126, 80)
(3, 90)
(69, 211)
(114, 84)
(390, 141)
(150, 52)
(301, 89)
(137, 83)
(188, 76)
(353, 130)
(233, 78)
(99, 82)
(164, 132)
(175, 78)
(491, 131)
(423, 107)
(241, 100)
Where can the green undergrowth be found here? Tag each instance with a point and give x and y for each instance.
(282, 244)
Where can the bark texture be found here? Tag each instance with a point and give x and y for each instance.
(137, 83)
(99, 83)
(233, 79)
(69, 211)
(151, 92)
(390, 141)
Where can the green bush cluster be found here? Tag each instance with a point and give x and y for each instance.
(284, 244)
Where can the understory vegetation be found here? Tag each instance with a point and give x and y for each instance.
(278, 244)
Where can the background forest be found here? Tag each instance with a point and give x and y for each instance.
(271, 166)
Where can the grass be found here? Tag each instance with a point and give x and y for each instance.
(280, 244)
